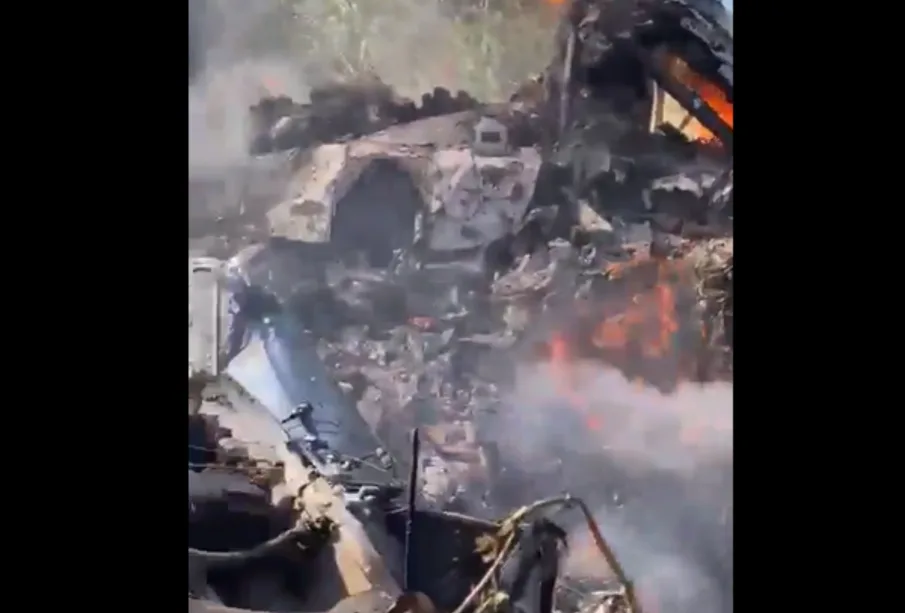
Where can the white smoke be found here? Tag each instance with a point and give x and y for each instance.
(656, 467)
(638, 426)
(219, 102)
(240, 48)
(233, 72)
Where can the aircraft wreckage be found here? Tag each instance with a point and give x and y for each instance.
(356, 304)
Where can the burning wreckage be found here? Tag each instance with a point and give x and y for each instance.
(415, 257)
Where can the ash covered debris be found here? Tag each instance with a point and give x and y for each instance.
(342, 111)
(441, 338)
(498, 275)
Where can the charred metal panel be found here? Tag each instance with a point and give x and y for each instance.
(472, 193)
(307, 213)
(477, 199)
(280, 368)
(326, 177)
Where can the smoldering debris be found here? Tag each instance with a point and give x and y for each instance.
(568, 356)
(571, 357)
(588, 350)
(484, 374)
(242, 155)
(571, 354)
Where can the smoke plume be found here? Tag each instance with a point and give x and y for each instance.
(635, 426)
(658, 469)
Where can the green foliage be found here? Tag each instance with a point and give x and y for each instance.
(486, 47)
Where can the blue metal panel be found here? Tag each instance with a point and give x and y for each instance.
(277, 363)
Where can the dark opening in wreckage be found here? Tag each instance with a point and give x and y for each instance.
(531, 285)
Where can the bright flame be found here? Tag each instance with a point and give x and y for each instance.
(560, 357)
(713, 96)
(634, 329)
(649, 318)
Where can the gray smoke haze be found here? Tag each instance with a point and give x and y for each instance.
(637, 426)
(658, 469)
(230, 74)
(241, 49)
(218, 110)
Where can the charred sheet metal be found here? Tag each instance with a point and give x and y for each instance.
(271, 355)
(280, 368)
(306, 216)
(472, 194)
(688, 50)
(319, 185)
(682, 46)
(329, 172)
(479, 194)
(660, 63)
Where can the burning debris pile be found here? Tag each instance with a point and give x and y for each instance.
(525, 380)
(439, 345)
(541, 286)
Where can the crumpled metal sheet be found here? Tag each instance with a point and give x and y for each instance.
(473, 199)
(327, 174)
(306, 214)
(430, 343)
(478, 199)
(280, 368)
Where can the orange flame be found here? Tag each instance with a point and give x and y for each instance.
(634, 330)
(711, 94)
(649, 318)
(560, 356)
(637, 331)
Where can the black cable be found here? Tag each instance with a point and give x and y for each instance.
(221, 558)
(410, 524)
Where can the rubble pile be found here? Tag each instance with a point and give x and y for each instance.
(443, 345)
(622, 256)
(226, 204)
(618, 253)
(503, 276)
(437, 344)
(459, 265)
